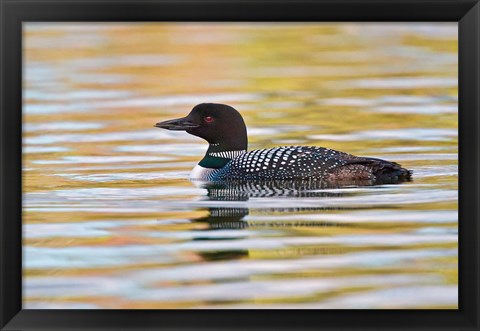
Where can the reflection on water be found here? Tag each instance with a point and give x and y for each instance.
(111, 220)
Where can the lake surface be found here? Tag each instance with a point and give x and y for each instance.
(112, 221)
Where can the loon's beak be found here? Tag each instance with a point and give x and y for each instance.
(178, 124)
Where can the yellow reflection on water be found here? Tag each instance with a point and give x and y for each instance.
(111, 219)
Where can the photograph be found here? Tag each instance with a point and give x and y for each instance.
(240, 165)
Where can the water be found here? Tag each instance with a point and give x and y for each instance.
(112, 221)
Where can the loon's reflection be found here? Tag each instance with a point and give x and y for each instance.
(232, 217)
(243, 190)
(224, 218)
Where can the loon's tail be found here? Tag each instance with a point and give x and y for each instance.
(385, 171)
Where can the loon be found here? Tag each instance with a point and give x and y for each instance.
(227, 158)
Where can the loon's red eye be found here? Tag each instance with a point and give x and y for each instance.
(208, 119)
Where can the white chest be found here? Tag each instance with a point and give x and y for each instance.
(201, 173)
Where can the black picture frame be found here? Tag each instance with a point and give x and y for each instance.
(14, 12)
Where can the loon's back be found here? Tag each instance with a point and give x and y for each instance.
(306, 162)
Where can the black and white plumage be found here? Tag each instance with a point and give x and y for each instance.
(227, 157)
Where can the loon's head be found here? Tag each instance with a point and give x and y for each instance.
(221, 125)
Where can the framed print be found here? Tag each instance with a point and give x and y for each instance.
(211, 165)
